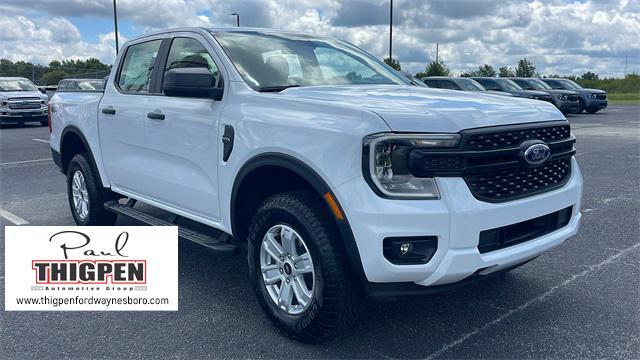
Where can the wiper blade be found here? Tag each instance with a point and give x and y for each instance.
(276, 88)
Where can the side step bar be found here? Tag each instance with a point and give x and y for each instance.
(219, 244)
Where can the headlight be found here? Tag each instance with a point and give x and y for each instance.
(385, 164)
(43, 102)
(593, 96)
(3, 103)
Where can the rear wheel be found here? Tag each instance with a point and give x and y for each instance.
(85, 193)
(298, 268)
(592, 111)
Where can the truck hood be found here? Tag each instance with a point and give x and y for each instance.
(4, 95)
(560, 92)
(592, 91)
(528, 93)
(418, 109)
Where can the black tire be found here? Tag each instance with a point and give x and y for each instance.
(592, 111)
(581, 107)
(97, 215)
(335, 299)
(44, 123)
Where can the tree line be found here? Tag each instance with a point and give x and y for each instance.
(56, 70)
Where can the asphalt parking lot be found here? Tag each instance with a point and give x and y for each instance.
(581, 300)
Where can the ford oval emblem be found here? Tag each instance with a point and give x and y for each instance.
(537, 154)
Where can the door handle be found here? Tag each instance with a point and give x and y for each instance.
(155, 115)
(109, 110)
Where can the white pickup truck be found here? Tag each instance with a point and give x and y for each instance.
(337, 175)
(21, 102)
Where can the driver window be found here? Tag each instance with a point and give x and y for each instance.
(190, 53)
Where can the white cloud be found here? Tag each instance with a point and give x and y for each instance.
(42, 40)
(559, 36)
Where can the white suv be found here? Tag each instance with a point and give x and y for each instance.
(340, 176)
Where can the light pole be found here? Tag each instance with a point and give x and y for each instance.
(115, 22)
(390, 30)
(237, 18)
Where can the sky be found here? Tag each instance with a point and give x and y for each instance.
(561, 37)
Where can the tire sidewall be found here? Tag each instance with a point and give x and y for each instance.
(73, 167)
(292, 324)
(80, 163)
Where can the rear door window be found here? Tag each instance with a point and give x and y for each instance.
(137, 67)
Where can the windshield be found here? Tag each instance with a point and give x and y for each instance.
(541, 85)
(17, 85)
(508, 84)
(570, 84)
(272, 62)
(470, 85)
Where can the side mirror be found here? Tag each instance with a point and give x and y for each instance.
(191, 82)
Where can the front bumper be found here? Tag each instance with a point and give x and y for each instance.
(595, 104)
(23, 115)
(457, 220)
(568, 107)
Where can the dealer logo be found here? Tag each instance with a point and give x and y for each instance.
(119, 270)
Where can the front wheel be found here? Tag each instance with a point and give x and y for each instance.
(298, 268)
(592, 111)
(580, 107)
(85, 193)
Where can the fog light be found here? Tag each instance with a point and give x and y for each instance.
(409, 250)
(405, 248)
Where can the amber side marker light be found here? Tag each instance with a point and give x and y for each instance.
(335, 209)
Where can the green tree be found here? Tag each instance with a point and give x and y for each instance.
(434, 69)
(393, 63)
(506, 71)
(52, 77)
(525, 68)
(589, 76)
(485, 70)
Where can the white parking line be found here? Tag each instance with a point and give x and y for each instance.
(44, 141)
(23, 162)
(12, 218)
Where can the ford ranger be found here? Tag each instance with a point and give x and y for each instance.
(591, 100)
(337, 176)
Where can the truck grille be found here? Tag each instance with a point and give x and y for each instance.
(491, 161)
(510, 138)
(520, 181)
(573, 97)
(23, 103)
